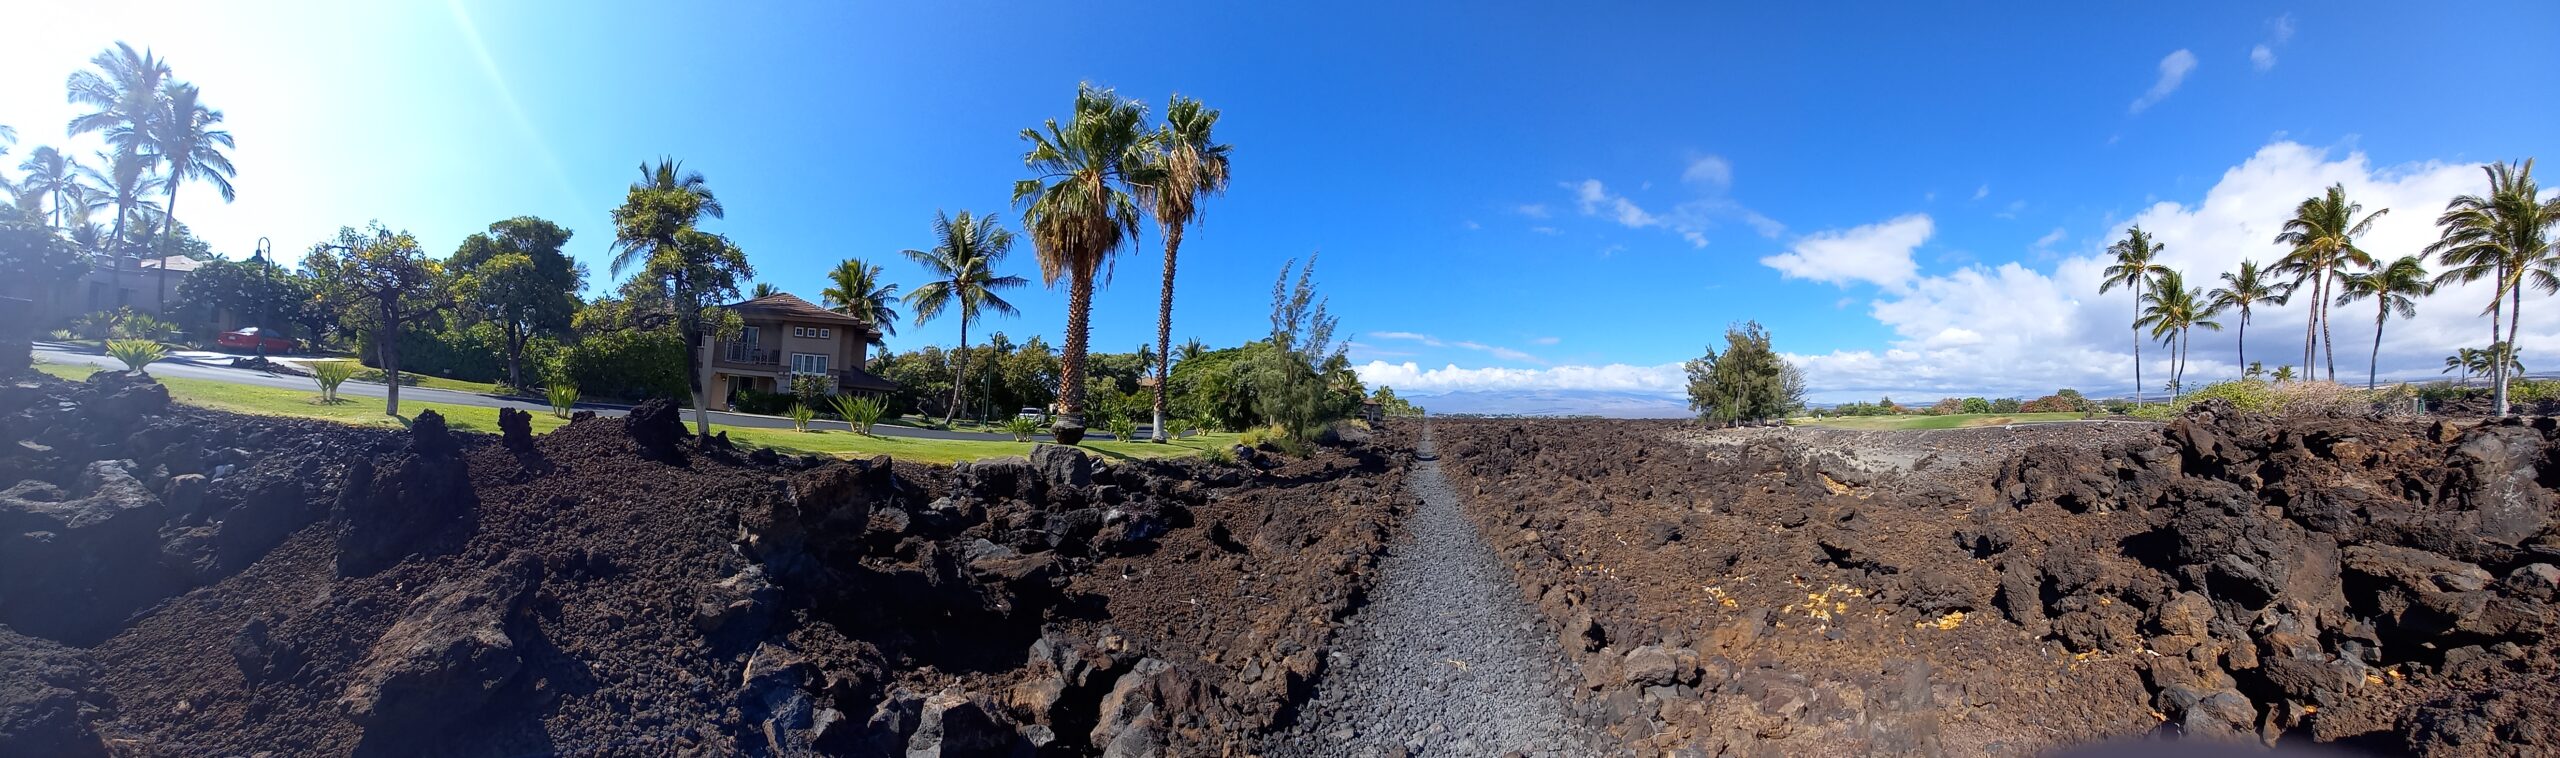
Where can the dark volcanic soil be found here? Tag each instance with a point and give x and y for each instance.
(2387, 586)
(245, 586)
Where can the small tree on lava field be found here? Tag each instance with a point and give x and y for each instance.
(383, 282)
(1746, 382)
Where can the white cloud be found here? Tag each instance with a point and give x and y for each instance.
(2173, 72)
(1407, 336)
(1545, 340)
(2012, 209)
(2262, 58)
(2282, 28)
(1532, 210)
(1472, 225)
(1982, 192)
(1546, 230)
(1595, 199)
(1713, 171)
(1497, 351)
(2050, 238)
(1879, 253)
(1667, 378)
(2012, 330)
(2279, 31)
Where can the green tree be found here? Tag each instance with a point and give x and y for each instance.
(33, 257)
(2504, 237)
(1295, 385)
(515, 278)
(120, 180)
(689, 270)
(1078, 210)
(962, 264)
(2394, 287)
(187, 137)
(53, 178)
(854, 289)
(1187, 164)
(763, 289)
(2137, 262)
(124, 93)
(2244, 290)
(2323, 234)
(1392, 406)
(1976, 405)
(1745, 382)
(385, 282)
(250, 290)
(2174, 311)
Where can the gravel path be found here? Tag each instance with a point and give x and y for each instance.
(1446, 659)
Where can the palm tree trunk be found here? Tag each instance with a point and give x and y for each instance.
(2244, 341)
(1069, 428)
(959, 370)
(2328, 344)
(1164, 329)
(2506, 355)
(2373, 365)
(2311, 328)
(2137, 342)
(169, 227)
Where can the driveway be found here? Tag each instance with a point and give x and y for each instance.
(196, 364)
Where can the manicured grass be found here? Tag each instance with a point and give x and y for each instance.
(1949, 421)
(366, 411)
(438, 382)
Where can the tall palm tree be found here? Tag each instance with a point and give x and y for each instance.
(120, 184)
(854, 289)
(962, 263)
(2137, 262)
(2283, 374)
(2394, 286)
(2505, 237)
(666, 174)
(1078, 210)
(2463, 360)
(2174, 312)
(55, 177)
(1191, 348)
(2245, 289)
(2323, 234)
(125, 92)
(188, 141)
(1188, 165)
(763, 289)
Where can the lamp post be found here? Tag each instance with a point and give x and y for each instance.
(265, 257)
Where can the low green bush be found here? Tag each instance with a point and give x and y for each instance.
(329, 375)
(1219, 454)
(1022, 428)
(800, 416)
(1122, 428)
(564, 399)
(137, 355)
(861, 411)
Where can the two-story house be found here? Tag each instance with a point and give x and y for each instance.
(786, 337)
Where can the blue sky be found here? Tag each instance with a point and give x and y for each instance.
(1507, 198)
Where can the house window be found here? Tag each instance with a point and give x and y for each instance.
(808, 363)
(751, 336)
(823, 332)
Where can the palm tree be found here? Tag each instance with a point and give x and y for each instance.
(55, 177)
(962, 264)
(666, 174)
(2505, 237)
(854, 289)
(2173, 313)
(126, 92)
(2463, 360)
(2244, 290)
(2323, 234)
(656, 227)
(763, 289)
(187, 140)
(2284, 373)
(1191, 348)
(1078, 210)
(1188, 165)
(2392, 286)
(2137, 262)
(121, 184)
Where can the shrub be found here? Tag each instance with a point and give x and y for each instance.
(1175, 428)
(137, 355)
(762, 402)
(330, 374)
(861, 411)
(800, 416)
(810, 388)
(1022, 428)
(1123, 428)
(1276, 438)
(141, 326)
(1219, 454)
(94, 326)
(2285, 399)
(628, 365)
(563, 397)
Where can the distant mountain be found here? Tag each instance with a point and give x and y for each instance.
(1610, 403)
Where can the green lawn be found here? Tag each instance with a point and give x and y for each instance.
(432, 382)
(365, 411)
(1949, 421)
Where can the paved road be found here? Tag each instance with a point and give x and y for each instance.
(184, 366)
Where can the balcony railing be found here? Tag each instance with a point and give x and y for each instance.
(742, 353)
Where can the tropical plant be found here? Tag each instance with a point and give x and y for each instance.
(142, 326)
(120, 180)
(329, 375)
(55, 178)
(691, 270)
(1179, 427)
(563, 398)
(2137, 262)
(2244, 290)
(2504, 237)
(2394, 287)
(2283, 374)
(1123, 428)
(1077, 208)
(854, 289)
(186, 137)
(861, 411)
(962, 264)
(800, 416)
(2173, 313)
(137, 355)
(763, 289)
(1022, 428)
(1186, 164)
(1219, 455)
(2323, 234)
(383, 281)
(125, 93)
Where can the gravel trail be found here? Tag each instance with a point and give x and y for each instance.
(1446, 659)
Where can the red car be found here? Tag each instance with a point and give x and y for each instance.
(252, 338)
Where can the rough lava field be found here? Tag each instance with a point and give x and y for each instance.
(176, 581)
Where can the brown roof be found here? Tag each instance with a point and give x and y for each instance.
(784, 305)
(859, 379)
